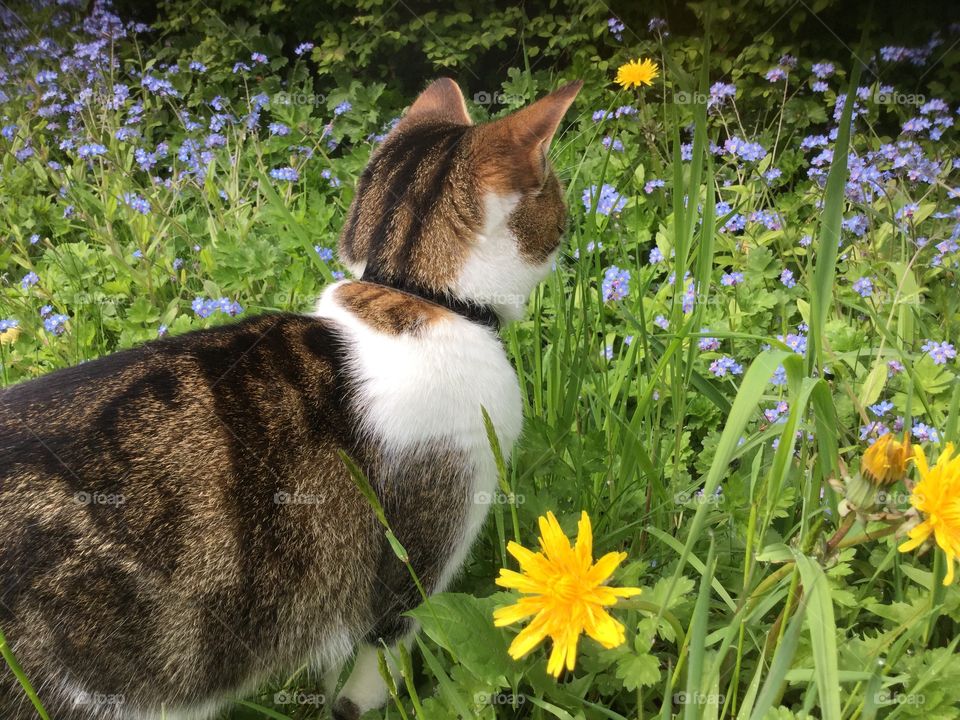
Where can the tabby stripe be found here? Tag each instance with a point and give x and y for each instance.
(415, 147)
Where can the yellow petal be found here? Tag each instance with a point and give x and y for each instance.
(516, 581)
(528, 638)
(951, 561)
(917, 535)
(531, 562)
(584, 547)
(605, 567)
(557, 656)
(604, 629)
(921, 459)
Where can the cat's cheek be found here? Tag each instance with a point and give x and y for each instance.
(495, 271)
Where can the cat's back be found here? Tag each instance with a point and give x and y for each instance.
(178, 388)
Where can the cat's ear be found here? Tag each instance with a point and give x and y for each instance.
(442, 101)
(530, 130)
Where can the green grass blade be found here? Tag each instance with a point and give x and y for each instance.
(825, 268)
(15, 668)
(823, 633)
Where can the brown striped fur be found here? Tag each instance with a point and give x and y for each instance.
(387, 309)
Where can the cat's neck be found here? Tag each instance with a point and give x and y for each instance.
(400, 311)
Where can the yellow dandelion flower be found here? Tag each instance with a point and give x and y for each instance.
(937, 496)
(636, 73)
(566, 594)
(886, 460)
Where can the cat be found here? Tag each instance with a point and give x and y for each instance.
(177, 524)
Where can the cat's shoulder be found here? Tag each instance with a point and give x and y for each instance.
(419, 370)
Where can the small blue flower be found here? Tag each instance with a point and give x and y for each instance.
(881, 408)
(608, 199)
(776, 74)
(652, 184)
(303, 48)
(327, 175)
(863, 287)
(731, 279)
(29, 280)
(786, 277)
(616, 28)
(204, 308)
(137, 203)
(656, 256)
(823, 70)
(55, 324)
(743, 149)
(342, 108)
(708, 344)
(199, 67)
(612, 143)
(326, 254)
(725, 365)
(276, 128)
(286, 174)
(939, 352)
(91, 150)
(616, 284)
(258, 58)
(924, 433)
(7, 325)
(161, 331)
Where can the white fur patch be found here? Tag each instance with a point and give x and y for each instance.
(412, 390)
(494, 272)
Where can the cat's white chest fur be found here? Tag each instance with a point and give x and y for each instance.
(413, 390)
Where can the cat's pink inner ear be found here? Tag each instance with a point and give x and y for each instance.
(442, 101)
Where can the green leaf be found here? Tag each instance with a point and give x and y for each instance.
(463, 625)
(638, 670)
(873, 385)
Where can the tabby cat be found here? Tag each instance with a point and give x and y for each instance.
(177, 525)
